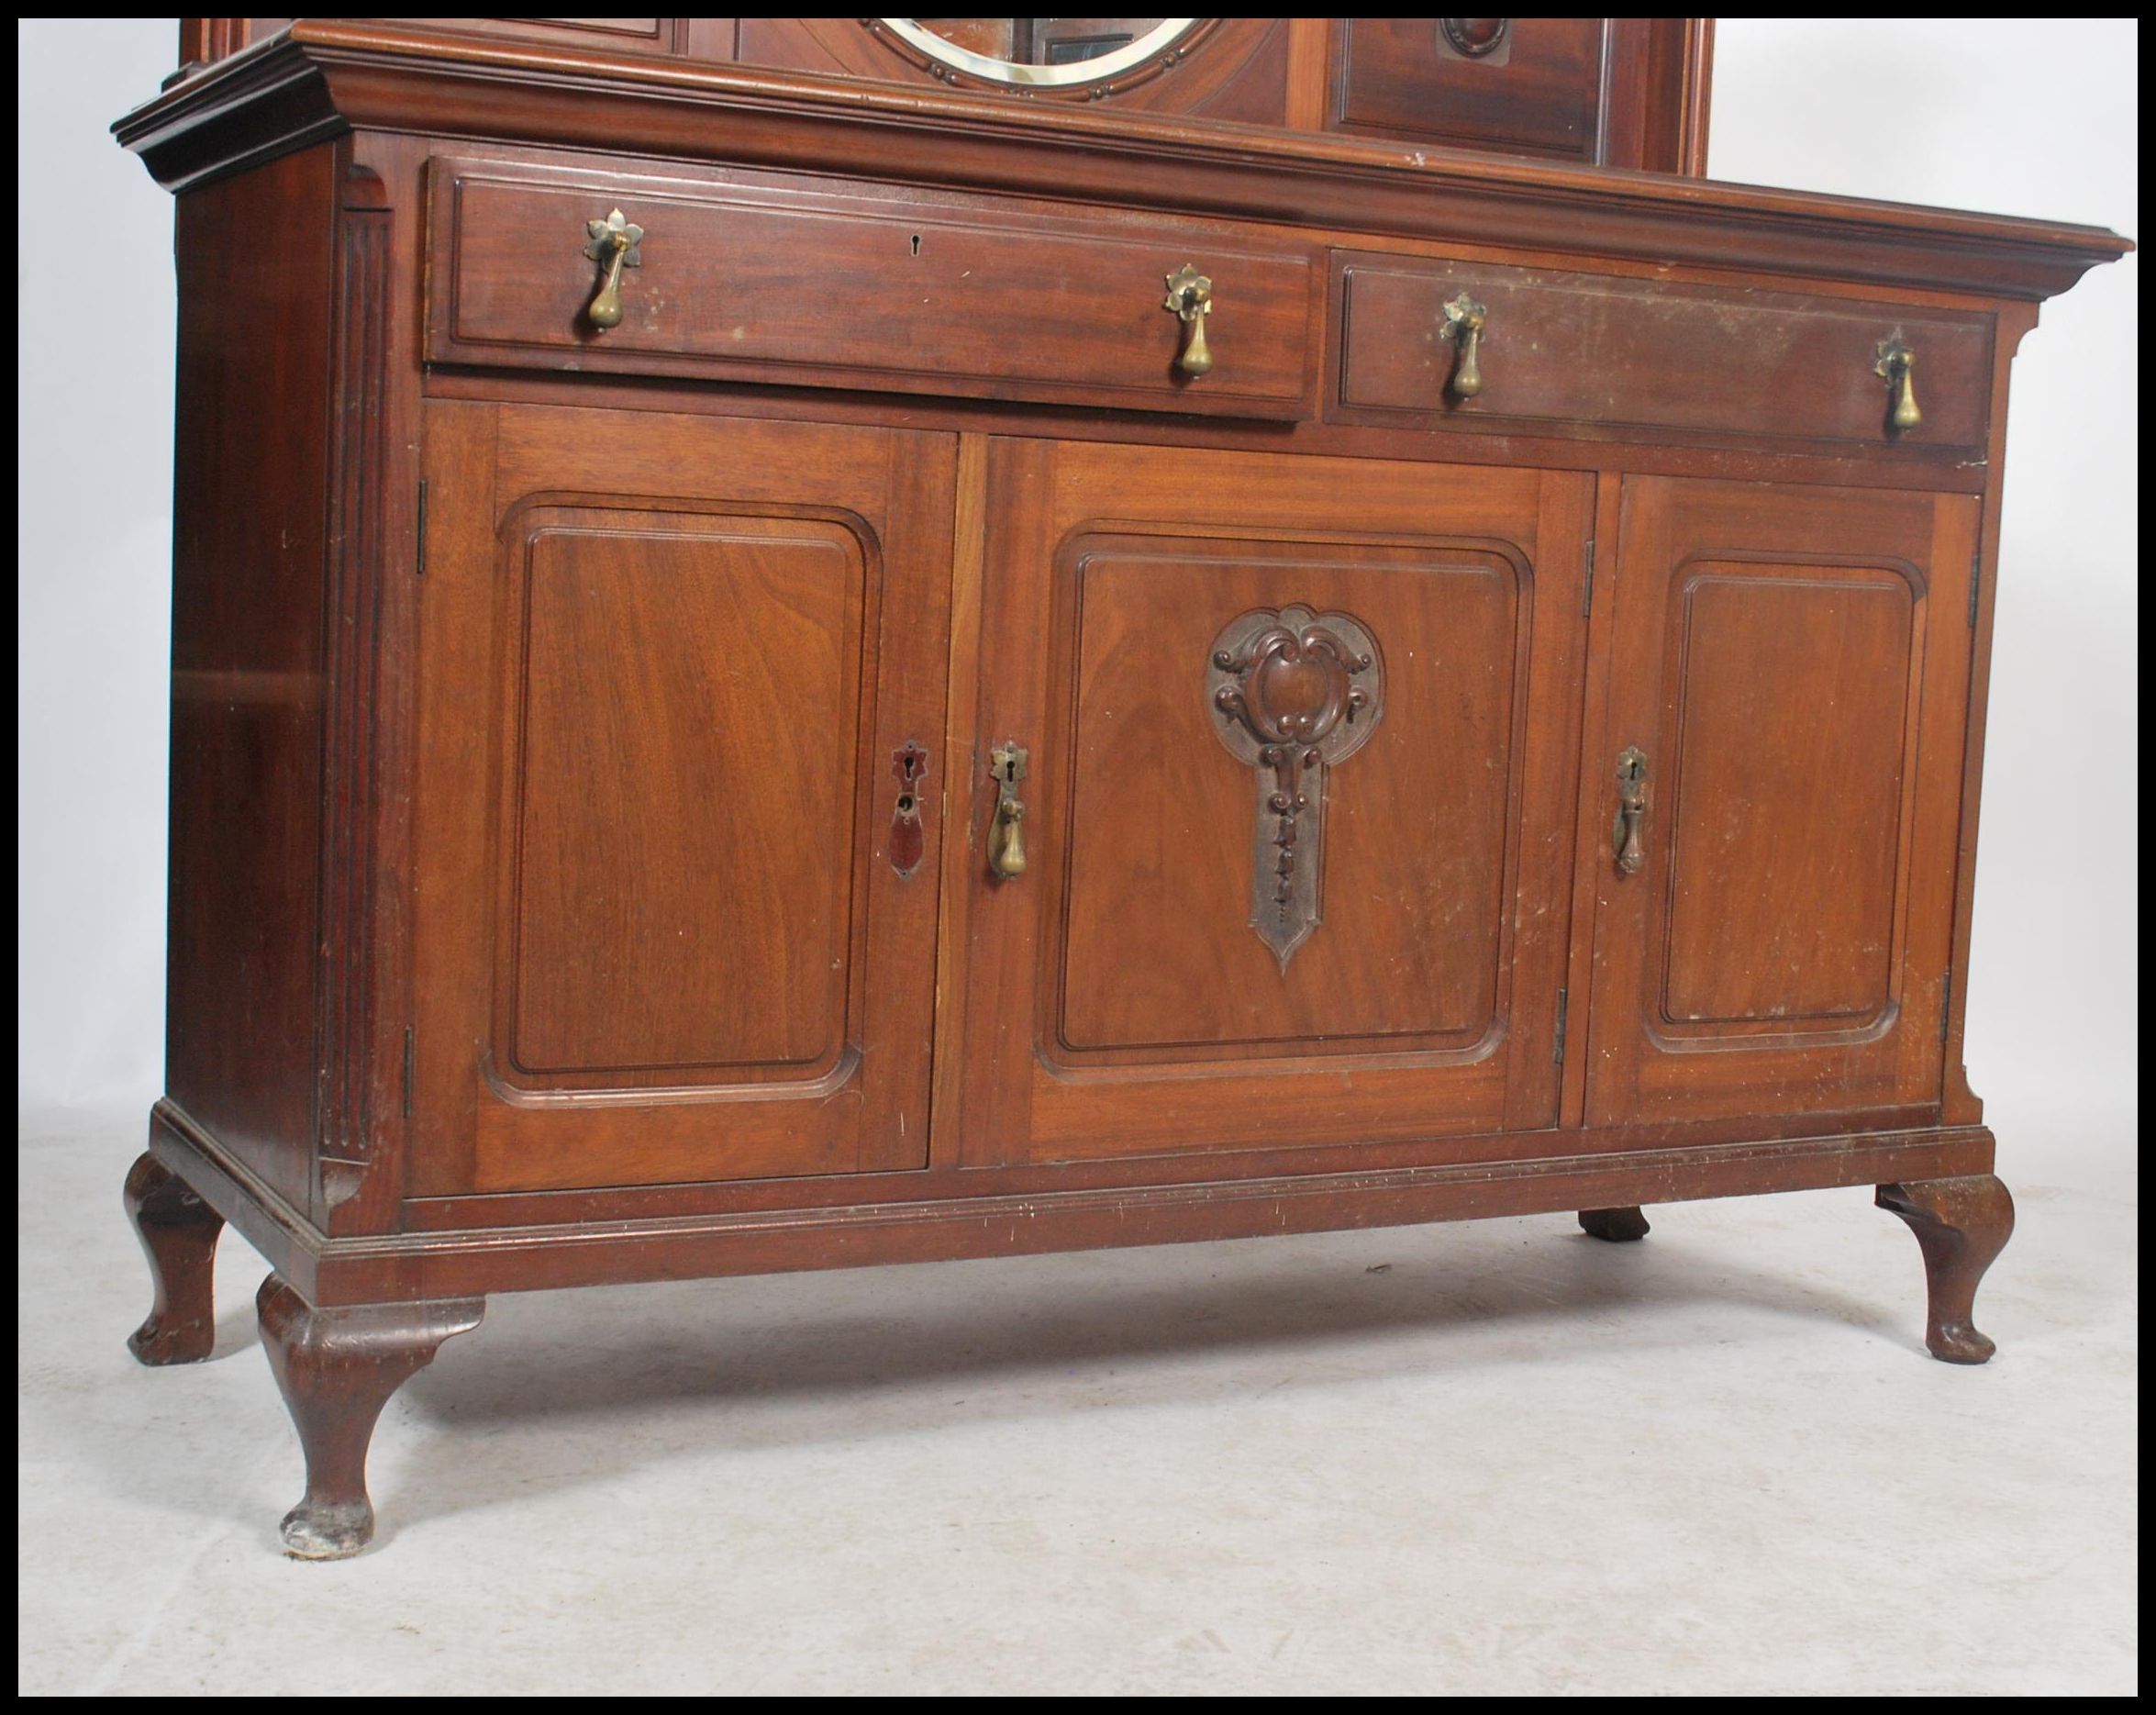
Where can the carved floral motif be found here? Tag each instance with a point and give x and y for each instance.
(1297, 692)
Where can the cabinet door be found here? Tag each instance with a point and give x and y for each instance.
(1299, 745)
(1789, 676)
(678, 827)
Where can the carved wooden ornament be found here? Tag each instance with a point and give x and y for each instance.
(1296, 693)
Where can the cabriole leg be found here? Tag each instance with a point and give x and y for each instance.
(1618, 1226)
(1960, 1225)
(337, 1369)
(179, 1233)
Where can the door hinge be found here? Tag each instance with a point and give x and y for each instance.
(1975, 584)
(409, 1056)
(1563, 1007)
(1587, 590)
(420, 561)
(1946, 1008)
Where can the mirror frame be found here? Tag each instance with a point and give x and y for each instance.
(1165, 38)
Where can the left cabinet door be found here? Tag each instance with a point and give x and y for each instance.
(678, 825)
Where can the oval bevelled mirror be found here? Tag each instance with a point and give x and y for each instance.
(1041, 51)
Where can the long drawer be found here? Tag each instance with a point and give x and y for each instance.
(799, 284)
(1593, 354)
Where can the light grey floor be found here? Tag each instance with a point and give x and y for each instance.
(1493, 1457)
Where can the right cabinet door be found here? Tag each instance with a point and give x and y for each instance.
(1779, 802)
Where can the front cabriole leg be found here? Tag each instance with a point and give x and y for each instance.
(179, 1233)
(337, 1368)
(1960, 1225)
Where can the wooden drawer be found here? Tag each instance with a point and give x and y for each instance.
(776, 281)
(1593, 354)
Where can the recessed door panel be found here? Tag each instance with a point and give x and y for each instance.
(688, 691)
(1298, 757)
(1523, 85)
(1785, 836)
(1174, 864)
(677, 882)
(1784, 756)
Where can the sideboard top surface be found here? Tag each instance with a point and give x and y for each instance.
(319, 78)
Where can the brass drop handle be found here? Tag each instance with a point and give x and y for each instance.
(1463, 326)
(1631, 773)
(1006, 838)
(1190, 295)
(615, 245)
(1895, 367)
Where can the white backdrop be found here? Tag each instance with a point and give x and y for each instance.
(1927, 111)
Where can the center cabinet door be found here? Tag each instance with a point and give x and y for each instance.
(1296, 798)
(678, 821)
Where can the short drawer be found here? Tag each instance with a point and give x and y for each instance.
(793, 283)
(1588, 354)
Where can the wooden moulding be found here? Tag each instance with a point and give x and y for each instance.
(471, 1263)
(321, 78)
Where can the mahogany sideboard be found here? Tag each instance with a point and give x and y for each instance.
(809, 642)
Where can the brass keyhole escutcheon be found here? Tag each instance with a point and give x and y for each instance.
(615, 245)
(1631, 774)
(1190, 295)
(1006, 837)
(909, 764)
(1895, 367)
(1462, 326)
